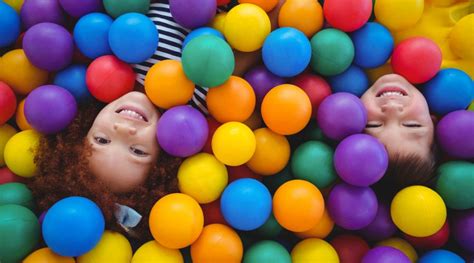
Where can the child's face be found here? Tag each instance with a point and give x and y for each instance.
(123, 140)
(398, 116)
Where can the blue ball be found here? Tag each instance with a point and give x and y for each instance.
(133, 37)
(246, 204)
(354, 80)
(10, 25)
(91, 35)
(73, 226)
(373, 45)
(286, 52)
(440, 256)
(450, 90)
(202, 31)
(73, 78)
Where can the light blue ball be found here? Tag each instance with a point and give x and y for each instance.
(286, 52)
(133, 38)
(73, 78)
(354, 80)
(246, 204)
(73, 226)
(10, 25)
(202, 31)
(373, 45)
(440, 256)
(91, 35)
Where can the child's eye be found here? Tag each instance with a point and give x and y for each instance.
(372, 125)
(412, 125)
(138, 152)
(101, 140)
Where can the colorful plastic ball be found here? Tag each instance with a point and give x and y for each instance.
(398, 15)
(382, 226)
(20, 118)
(385, 254)
(16, 4)
(176, 220)
(50, 109)
(19, 153)
(113, 247)
(133, 38)
(304, 15)
(434, 241)
(286, 109)
(10, 25)
(417, 59)
(19, 73)
(455, 179)
(222, 240)
(108, 78)
(193, 14)
(450, 90)
(6, 176)
(213, 125)
(262, 81)
(373, 45)
(7, 103)
(298, 205)
(314, 249)
(182, 131)
(353, 80)
(401, 245)
(267, 251)
(116, 8)
(48, 46)
(347, 15)
(233, 143)
(418, 211)
(315, 87)
(208, 61)
(246, 204)
(232, 101)
(332, 52)
(271, 154)
(44, 255)
(40, 11)
(440, 256)
(459, 40)
(335, 108)
(270, 230)
(94, 26)
(352, 207)
(321, 230)
(286, 52)
(218, 23)
(16, 194)
(73, 226)
(266, 5)
(73, 79)
(152, 251)
(6, 132)
(85, 7)
(463, 229)
(350, 248)
(202, 31)
(20, 227)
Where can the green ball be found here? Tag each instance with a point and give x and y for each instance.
(312, 161)
(273, 182)
(17, 194)
(267, 251)
(208, 61)
(116, 8)
(456, 183)
(19, 232)
(271, 229)
(333, 52)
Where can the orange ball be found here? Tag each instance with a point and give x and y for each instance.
(20, 117)
(286, 109)
(321, 230)
(176, 221)
(217, 243)
(298, 205)
(167, 86)
(232, 101)
(304, 15)
(266, 5)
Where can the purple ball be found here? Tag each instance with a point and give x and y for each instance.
(352, 207)
(39, 11)
(385, 254)
(262, 81)
(193, 14)
(382, 227)
(50, 108)
(340, 115)
(360, 160)
(48, 46)
(463, 229)
(77, 8)
(182, 131)
(455, 133)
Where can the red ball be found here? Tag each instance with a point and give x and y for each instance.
(241, 171)
(315, 87)
(434, 241)
(213, 125)
(347, 15)
(109, 78)
(350, 248)
(222, 2)
(7, 103)
(418, 59)
(212, 213)
(6, 176)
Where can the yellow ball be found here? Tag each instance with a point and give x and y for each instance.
(471, 107)
(45, 255)
(401, 245)
(202, 177)
(20, 74)
(418, 211)
(460, 38)
(20, 153)
(321, 230)
(314, 250)
(20, 117)
(112, 247)
(218, 23)
(6, 132)
(271, 154)
(152, 251)
(16, 4)
(400, 14)
(246, 27)
(233, 143)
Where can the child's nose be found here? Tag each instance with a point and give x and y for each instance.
(123, 128)
(392, 107)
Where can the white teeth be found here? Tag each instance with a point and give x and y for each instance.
(132, 114)
(391, 93)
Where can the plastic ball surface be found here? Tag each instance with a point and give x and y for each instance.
(7, 103)
(233, 143)
(373, 45)
(112, 246)
(152, 251)
(193, 14)
(94, 26)
(223, 241)
(78, 10)
(46, 255)
(10, 25)
(73, 79)
(347, 15)
(34, 12)
(314, 249)
(19, 153)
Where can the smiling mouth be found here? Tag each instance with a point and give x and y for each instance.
(132, 113)
(391, 91)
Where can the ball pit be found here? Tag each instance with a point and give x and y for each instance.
(304, 15)
(93, 26)
(47, 255)
(152, 251)
(116, 8)
(73, 79)
(233, 143)
(192, 14)
(20, 117)
(224, 242)
(6, 132)
(313, 249)
(455, 133)
(202, 31)
(347, 15)
(439, 256)
(267, 251)
(463, 229)
(112, 246)
(398, 15)
(10, 25)
(350, 248)
(382, 227)
(434, 241)
(7, 103)
(40, 11)
(19, 153)
(262, 81)
(16, 194)
(453, 184)
(78, 10)
(353, 80)
(402, 245)
(385, 254)
(368, 55)
(16, 4)
(315, 87)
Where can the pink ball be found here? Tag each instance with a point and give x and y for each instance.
(315, 87)
(347, 15)
(7, 103)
